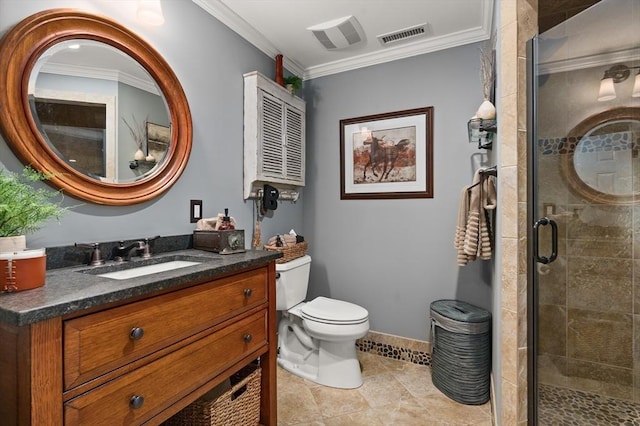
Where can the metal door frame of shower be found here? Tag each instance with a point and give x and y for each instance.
(532, 203)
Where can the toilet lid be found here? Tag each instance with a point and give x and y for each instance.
(323, 309)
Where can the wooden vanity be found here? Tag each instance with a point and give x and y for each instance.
(143, 358)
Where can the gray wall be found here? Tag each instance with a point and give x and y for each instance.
(209, 60)
(132, 101)
(394, 257)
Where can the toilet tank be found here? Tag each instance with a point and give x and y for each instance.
(292, 280)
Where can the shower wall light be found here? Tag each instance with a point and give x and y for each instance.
(617, 74)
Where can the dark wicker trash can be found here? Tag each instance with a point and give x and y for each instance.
(461, 351)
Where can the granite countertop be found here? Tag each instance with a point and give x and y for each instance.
(73, 289)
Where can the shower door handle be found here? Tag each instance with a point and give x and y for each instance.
(554, 240)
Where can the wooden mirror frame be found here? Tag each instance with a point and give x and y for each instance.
(20, 49)
(573, 139)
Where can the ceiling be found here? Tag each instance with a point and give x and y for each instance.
(280, 26)
(604, 34)
(92, 59)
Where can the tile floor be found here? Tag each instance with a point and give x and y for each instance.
(394, 393)
(569, 407)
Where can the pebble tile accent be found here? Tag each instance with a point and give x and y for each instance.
(620, 141)
(568, 407)
(554, 146)
(395, 347)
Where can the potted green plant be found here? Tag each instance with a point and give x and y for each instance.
(23, 209)
(293, 83)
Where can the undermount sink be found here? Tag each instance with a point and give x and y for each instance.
(148, 270)
(139, 268)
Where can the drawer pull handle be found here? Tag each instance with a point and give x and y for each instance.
(136, 333)
(136, 401)
(247, 338)
(248, 292)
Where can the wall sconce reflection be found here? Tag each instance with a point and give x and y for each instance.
(617, 74)
(150, 12)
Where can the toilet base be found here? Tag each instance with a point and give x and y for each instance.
(333, 364)
(340, 365)
(338, 372)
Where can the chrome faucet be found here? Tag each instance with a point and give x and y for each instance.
(122, 252)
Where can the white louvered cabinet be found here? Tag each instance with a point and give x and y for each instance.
(274, 136)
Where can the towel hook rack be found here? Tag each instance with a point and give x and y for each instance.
(491, 171)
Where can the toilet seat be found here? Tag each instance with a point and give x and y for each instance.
(331, 311)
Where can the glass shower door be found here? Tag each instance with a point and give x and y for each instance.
(585, 219)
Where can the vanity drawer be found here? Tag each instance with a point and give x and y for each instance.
(164, 381)
(100, 342)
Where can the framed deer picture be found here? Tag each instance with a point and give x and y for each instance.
(388, 155)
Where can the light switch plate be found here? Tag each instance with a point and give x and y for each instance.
(195, 210)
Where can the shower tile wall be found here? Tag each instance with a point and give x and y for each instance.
(589, 295)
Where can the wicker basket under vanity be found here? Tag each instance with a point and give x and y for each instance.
(237, 406)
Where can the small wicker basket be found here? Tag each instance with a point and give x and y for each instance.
(290, 252)
(240, 405)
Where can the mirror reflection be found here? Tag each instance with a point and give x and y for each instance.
(100, 111)
(606, 157)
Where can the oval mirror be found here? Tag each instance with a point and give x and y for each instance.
(93, 103)
(602, 164)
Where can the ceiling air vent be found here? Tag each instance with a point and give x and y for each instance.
(339, 33)
(421, 30)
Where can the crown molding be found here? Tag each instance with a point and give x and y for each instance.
(100, 73)
(604, 59)
(229, 18)
(433, 44)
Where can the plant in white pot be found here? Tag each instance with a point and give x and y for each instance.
(23, 209)
(293, 83)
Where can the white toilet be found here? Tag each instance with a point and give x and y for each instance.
(316, 339)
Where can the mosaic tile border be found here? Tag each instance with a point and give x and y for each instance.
(396, 347)
(568, 407)
(621, 141)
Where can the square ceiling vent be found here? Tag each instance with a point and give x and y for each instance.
(339, 33)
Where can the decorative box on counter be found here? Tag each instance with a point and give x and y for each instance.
(223, 242)
(22, 270)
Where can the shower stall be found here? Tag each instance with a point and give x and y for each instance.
(584, 217)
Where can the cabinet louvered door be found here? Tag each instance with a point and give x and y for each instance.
(294, 137)
(282, 136)
(271, 135)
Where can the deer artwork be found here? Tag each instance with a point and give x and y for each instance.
(383, 153)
